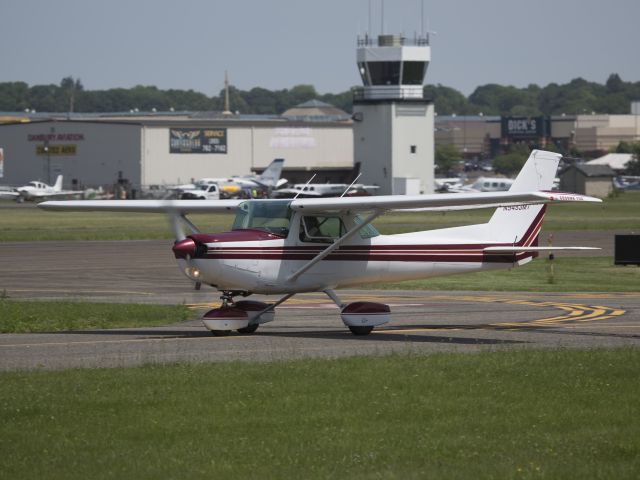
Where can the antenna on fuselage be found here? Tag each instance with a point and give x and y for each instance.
(305, 185)
(356, 179)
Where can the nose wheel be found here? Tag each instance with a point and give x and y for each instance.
(244, 316)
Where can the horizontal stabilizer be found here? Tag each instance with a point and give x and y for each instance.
(508, 249)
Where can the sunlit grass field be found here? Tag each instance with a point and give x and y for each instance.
(564, 274)
(19, 316)
(19, 224)
(510, 414)
(526, 414)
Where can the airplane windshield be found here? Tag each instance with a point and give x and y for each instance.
(273, 216)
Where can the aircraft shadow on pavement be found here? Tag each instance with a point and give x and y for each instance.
(395, 335)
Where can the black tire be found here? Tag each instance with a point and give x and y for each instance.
(364, 330)
(249, 329)
(220, 333)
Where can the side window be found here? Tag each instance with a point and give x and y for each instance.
(321, 229)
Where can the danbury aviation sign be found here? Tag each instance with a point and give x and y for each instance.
(198, 140)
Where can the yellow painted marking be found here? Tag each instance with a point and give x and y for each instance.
(572, 313)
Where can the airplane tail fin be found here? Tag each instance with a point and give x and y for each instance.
(57, 187)
(271, 175)
(521, 224)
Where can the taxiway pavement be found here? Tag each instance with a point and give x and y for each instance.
(306, 326)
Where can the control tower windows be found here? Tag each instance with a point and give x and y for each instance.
(362, 69)
(413, 73)
(384, 73)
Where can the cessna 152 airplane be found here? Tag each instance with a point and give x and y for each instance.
(304, 245)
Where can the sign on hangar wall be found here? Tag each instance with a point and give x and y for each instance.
(197, 140)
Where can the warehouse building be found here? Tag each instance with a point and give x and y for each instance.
(173, 148)
(483, 136)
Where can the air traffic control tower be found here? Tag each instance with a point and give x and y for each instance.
(393, 122)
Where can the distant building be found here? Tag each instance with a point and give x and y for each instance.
(475, 136)
(593, 180)
(617, 161)
(174, 147)
(478, 136)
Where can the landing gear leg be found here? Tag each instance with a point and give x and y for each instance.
(361, 317)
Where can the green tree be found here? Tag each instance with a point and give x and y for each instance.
(448, 100)
(446, 158)
(14, 96)
(511, 163)
(633, 166)
(69, 90)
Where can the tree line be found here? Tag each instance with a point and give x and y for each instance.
(576, 97)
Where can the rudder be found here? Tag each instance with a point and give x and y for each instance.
(521, 224)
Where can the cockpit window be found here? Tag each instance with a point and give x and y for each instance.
(321, 229)
(273, 216)
(368, 231)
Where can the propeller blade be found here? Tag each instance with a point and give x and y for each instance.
(176, 225)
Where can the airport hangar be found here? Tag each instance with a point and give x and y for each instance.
(174, 148)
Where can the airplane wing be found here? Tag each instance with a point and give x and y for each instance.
(61, 193)
(8, 195)
(380, 204)
(437, 202)
(181, 207)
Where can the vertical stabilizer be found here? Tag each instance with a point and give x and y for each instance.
(58, 185)
(271, 175)
(521, 224)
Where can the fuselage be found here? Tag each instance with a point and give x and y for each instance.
(263, 261)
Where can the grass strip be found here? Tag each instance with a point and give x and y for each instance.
(33, 224)
(569, 274)
(527, 414)
(23, 316)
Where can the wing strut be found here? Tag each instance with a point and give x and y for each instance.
(335, 245)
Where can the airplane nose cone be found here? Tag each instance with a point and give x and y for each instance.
(184, 248)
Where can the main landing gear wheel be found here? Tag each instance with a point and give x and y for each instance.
(249, 329)
(366, 330)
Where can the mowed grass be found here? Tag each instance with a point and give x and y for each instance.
(565, 274)
(527, 414)
(26, 316)
(34, 224)
(20, 224)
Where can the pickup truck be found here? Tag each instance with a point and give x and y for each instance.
(209, 191)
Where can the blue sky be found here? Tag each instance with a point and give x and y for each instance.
(276, 44)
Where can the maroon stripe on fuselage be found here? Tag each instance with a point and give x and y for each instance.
(466, 258)
(464, 252)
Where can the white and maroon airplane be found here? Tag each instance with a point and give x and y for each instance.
(286, 247)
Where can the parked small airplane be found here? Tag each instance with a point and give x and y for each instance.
(483, 184)
(305, 245)
(269, 179)
(318, 190)
(37, 190)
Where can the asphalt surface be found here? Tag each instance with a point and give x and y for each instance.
(306, 326)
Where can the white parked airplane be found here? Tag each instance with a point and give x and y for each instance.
(37, 190)
(482, 184)
(269, 179)
(318, 190)
(305, 245)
